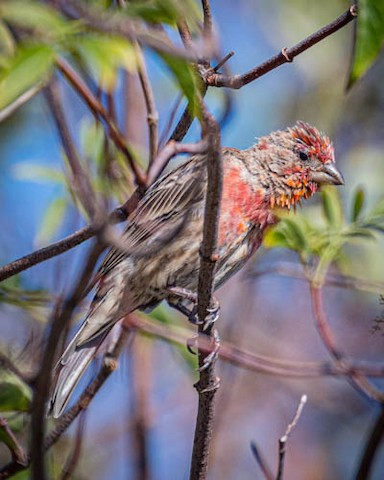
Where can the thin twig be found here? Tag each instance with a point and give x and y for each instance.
(285, 56)
(98, 109)
(356, 379)
(152, 115)
(79, 179)
(208, 383)
(371, 447)
(261, 462)
(74, 457)
(17, 452)
(284, 439)
(140, 408)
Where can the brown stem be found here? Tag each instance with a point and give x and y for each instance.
(372, 445)
(59, 323)
(261, 462)
(256, 362)
(79, 180)
(98, 109)
(356, 379)
(74, 457)
(185, 34)
(285, 56)
(152, 115)
(208, 383)
(18, 454)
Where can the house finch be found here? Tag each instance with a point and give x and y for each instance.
(161, 256)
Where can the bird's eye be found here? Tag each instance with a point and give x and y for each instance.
(303, 156)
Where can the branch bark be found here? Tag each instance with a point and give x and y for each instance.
(208, 383)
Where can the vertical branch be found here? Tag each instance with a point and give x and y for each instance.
(373, 443)
(140, 415)
(208, 383)
(41, 392)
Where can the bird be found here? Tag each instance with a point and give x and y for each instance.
(160, 260)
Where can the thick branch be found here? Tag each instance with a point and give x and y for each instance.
(208, 383)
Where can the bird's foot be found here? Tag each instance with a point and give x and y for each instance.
(193, 343)
(185, 301)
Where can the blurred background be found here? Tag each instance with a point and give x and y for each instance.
(262, 310)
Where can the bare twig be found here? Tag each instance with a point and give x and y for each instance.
(208, 383)
(356, 379)
(98, 109)
(18, 454)
(140, 408)
(48, 252)
(42, 384)
(286, 55)
(208, 23)
(372, 445)
(284, 439)
(79, 180)
(261, 462)
(74, 457)
(185, 35)
(152, 115)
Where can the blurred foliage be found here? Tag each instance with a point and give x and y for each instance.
(326, 240)
(15, 396)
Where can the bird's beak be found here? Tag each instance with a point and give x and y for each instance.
(328, 175)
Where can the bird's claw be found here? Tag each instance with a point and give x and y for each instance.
(211, 317)
(211, 357)
(192, 343)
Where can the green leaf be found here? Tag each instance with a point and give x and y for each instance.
(7, 43)
(104, 55)
(31, 65)
(187, 79)
(36, 17)
(332, 206)
(14, 396)
(275, 238)
(358, 203)
(369, 37)
(164, 11)
(52, 220)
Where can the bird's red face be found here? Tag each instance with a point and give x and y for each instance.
(306, 161)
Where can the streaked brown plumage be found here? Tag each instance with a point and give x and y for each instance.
(164, 233)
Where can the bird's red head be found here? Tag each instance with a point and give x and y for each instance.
(299, 160)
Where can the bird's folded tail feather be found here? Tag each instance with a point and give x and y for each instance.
(70, 369)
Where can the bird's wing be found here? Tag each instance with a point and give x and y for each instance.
(161, 213)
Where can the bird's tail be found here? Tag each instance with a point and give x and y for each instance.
(69, 370)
